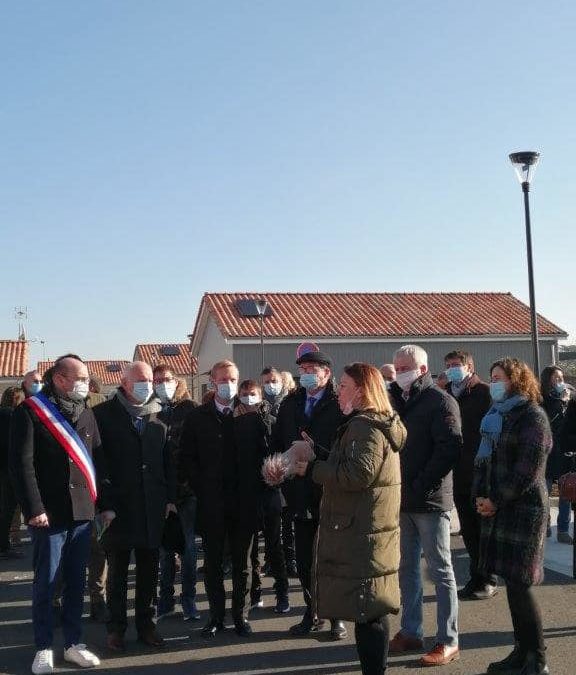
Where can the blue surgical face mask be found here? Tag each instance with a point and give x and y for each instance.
(142, 391)
(498, 391)
(456, 374)
(227, 390)
(273, 388)
(309, 381)
(250, 400)
(35, 388)
(560, 387)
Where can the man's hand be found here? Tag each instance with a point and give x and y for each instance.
(107, 516)
(170, 508)
(485, 507)
(39, 521)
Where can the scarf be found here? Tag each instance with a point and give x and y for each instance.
(491, 425)
(69, 408)
(136, 410)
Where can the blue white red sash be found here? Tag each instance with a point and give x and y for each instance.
(66, 436)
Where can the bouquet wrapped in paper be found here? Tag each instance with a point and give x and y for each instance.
(282, 465)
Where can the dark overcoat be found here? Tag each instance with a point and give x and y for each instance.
(44, 478)
(513, 477)
(358, 540)
(136, 477)
(301, 493)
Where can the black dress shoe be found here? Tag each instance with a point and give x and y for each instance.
(467, 591)
(151, 638)
(485, 592)
(243, 628)
(338, 630)
(212, 627)
(513, 663)
(306, 626)
(535, 664)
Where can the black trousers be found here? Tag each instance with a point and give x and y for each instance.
(117, 588)
(7, 508)
(470, 530)
(240, 539)
(526, 617)
(372, 639)
(287, 534)
(272, 530)
(304, 533)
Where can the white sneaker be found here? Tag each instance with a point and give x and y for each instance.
(43, 662)
(79, 655)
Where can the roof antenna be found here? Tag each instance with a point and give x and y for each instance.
(21, 315)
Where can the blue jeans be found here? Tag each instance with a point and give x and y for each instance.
(428, 532)
(64, 550)
(564, 507)
(187, 514)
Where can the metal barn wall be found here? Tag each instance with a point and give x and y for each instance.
(248, 357)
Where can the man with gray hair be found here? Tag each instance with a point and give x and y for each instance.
(137, 492)
(433, 446)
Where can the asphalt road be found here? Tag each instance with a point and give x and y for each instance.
(485, 635)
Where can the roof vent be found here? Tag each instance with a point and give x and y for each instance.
(170, 350)
(248, 307)
(113, 367)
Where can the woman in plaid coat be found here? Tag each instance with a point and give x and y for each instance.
(511, 496)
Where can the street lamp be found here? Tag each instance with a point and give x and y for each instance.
(261, 307)
(524, 164)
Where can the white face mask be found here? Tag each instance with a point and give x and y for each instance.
(273, 388)
(165, 391)
(407, 379)
(142, 391)
(250, 400)
(79, 391)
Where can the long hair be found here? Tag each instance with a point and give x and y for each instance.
(546, 376)
(181, 393)
(522, 379)
(373, 394)
(12, 397)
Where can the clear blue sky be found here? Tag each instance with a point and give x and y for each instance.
(152, 151)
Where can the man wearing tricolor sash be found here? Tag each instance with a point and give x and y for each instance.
(53, 436)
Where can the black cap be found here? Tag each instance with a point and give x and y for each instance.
(315, 357)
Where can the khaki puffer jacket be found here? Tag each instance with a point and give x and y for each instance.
(358, 541)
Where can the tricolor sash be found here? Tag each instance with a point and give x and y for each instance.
(66, 436)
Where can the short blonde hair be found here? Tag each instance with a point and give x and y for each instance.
(220, 365)
(288, 381)
(368, 379)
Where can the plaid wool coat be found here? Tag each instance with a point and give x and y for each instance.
(513, 477)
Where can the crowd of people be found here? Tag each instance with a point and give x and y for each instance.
(382, 458)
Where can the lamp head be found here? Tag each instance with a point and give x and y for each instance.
(524, 164)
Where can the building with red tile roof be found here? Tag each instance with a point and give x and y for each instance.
(366, 327)
(13, 362)
(108, 372)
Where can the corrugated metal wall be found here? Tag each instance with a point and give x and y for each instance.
(248, 357)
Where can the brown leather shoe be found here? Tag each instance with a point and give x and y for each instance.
(115, 642)
(151, 638)
(440, 655)
(401, 643)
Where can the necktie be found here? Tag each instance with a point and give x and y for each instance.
(310, 403)
(226, 412)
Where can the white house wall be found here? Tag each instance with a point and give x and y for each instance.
(213, 348)
(485, 352)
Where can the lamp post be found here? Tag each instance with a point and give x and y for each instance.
(524, 164)
(261, 307)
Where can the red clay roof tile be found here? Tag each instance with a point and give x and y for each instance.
(13, 358)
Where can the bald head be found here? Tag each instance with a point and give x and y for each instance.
(32, 383)
(70, 377)
(137, 382)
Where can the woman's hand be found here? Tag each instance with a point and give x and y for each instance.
(485, 507)
(300, 468)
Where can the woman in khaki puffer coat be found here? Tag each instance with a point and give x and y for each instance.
(358, 541)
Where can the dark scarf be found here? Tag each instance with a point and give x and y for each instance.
(70, 409)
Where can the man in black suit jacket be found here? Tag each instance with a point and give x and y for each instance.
(209, 462)
(57, 503)
(137, 491)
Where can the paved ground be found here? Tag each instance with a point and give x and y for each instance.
(485, 636)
